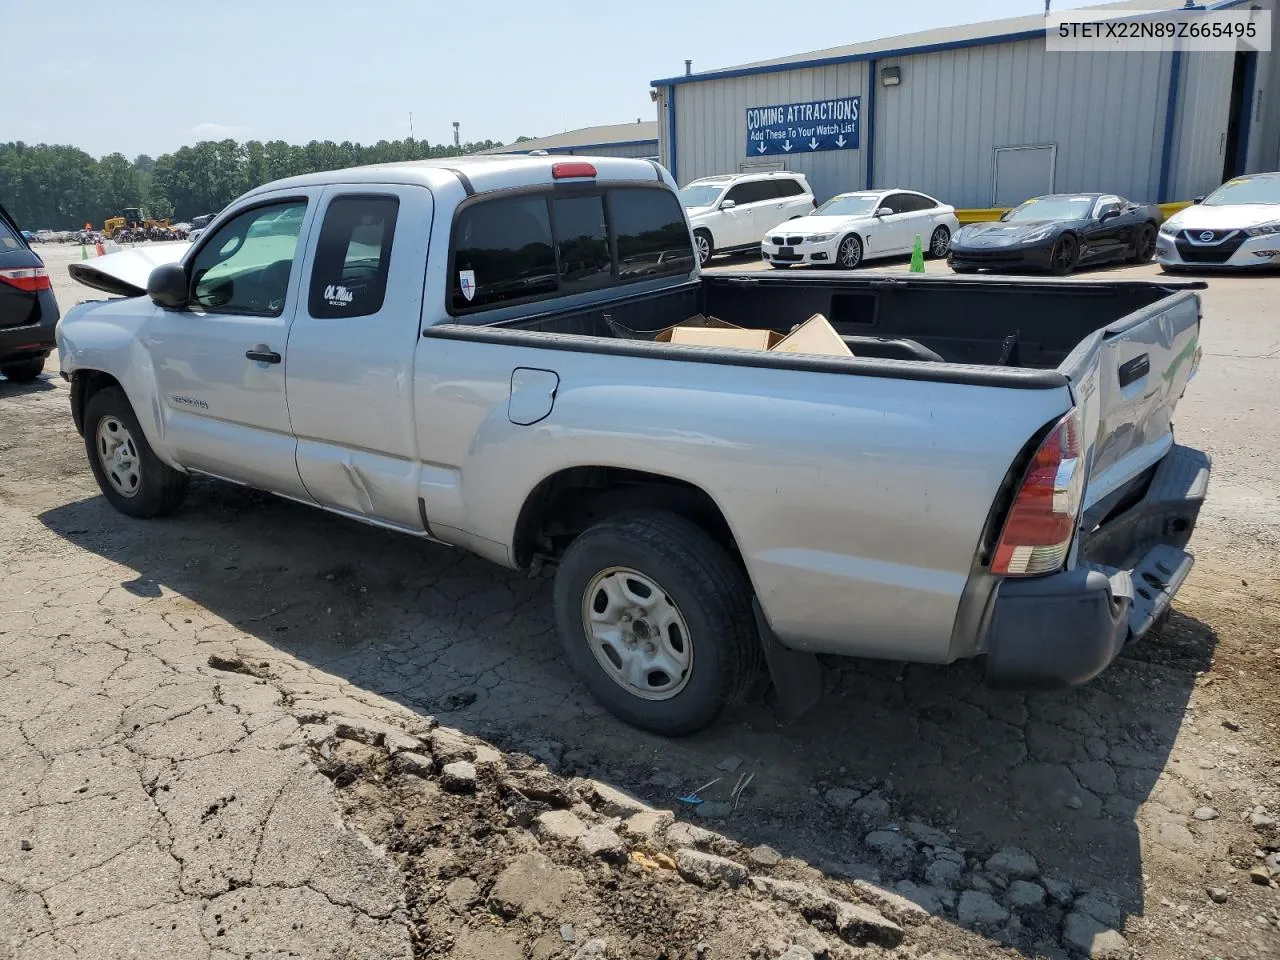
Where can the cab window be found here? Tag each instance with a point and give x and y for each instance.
(244, 267)
(582, 243)
(349, 278)
(536, 246)
(502, 250)
(652, 236)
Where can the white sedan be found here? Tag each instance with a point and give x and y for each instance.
(1238, 225)
(853, 227)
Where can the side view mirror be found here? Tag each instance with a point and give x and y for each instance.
(168, 287)
(1197, 199)
(1109, 213)
(728, 204)
(884, 212)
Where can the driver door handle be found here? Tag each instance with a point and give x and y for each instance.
(262, 354)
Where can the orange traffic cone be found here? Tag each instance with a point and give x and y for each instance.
(102, 251)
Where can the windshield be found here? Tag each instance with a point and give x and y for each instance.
(1052, 208)
(700, 194)
(1245, 190)
(854, 205)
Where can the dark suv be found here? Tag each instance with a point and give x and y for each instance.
(28, 311)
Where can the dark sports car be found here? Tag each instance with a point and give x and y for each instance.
(1059, 233)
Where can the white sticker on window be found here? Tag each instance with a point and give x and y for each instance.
(337, 295)
(467, 280)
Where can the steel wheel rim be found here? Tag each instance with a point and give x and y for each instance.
(637, 634)
(704, 248)
(850, 252)
(118, 457)
(941, 242)
(1065, 253)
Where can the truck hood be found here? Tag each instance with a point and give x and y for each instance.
(1234, 216)
(124, 274)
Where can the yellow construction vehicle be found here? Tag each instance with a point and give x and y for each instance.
(135, 223)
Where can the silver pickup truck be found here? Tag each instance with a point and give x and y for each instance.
(464, 351)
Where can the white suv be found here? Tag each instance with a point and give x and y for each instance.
(732, 211)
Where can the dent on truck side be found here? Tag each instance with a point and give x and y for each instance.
(104, 337)
(857, 503)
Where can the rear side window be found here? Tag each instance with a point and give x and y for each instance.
(503, 251)
(652, 236)
(786, 187)
(916, 202)
(349, 278)
(582, 238)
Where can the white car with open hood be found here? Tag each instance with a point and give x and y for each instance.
(1238, 225)
(853, 227)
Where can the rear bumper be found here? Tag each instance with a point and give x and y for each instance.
(33, 339)
(1063, 630)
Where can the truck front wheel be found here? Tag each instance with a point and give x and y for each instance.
(656, 619)
(132, 478)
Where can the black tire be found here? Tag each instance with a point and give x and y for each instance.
(1172, 268)
(24, 371)
(704, 245)
(701, 581)
(1065, 255)
(939, 240)
(1144, 244)
(779, 266)
(849, 252)
(160, 488)
(963, 269)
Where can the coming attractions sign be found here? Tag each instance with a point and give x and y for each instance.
(803, 127)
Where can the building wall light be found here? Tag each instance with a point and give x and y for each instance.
(890, 76)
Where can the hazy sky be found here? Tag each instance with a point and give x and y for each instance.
(146, 76)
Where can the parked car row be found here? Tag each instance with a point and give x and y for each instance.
(1238, 225)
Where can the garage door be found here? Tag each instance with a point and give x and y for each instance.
(1022, 173)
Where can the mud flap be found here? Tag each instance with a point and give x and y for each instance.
(796, 675)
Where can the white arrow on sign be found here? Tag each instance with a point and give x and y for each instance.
(761, 148)
(787, 146)
(813, 143)
(840, 140)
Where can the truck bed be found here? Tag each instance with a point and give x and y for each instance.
(1015, 323)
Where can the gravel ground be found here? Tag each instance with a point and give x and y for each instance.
(220, 740)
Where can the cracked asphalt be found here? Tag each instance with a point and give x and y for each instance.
(153, 804)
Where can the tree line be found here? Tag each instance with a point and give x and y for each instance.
(59, 187)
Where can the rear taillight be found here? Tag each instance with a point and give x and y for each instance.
(29, 279)
(1042, 520)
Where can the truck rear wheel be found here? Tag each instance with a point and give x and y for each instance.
(132, 478)
(656, 620)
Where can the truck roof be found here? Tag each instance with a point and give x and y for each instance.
(479, 174)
